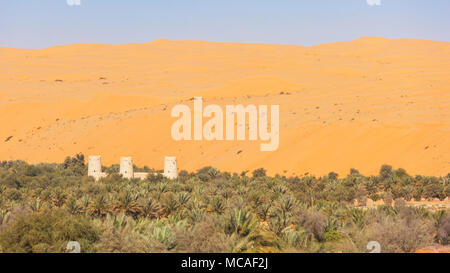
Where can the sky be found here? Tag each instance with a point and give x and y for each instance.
(45, 23)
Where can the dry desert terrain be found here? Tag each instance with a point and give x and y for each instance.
(356, 104)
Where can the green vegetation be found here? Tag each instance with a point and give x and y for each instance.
(44, 206)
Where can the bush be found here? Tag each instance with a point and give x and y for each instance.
(13, 194)
(314, 222)
(259, 173)
(203, 237)
(48, 231)
(387, 198)
(385, 172)
(401, 236)
(443, 234)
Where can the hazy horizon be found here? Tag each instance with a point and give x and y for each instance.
(206, 41)
(46, 23)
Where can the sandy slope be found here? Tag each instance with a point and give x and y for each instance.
(351, 104)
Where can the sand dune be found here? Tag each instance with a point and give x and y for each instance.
(356, 104)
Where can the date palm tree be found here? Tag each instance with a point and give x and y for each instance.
(99, 206)
(127, 203)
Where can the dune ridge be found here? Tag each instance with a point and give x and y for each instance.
(343, 105)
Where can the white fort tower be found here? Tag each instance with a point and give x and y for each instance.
(126, 168)
(170, 167)
(95, 167)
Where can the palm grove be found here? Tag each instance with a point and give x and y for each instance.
(44, 206)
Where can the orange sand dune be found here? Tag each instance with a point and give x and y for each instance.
(357, 104)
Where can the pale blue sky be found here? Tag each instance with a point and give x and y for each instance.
(44, 23)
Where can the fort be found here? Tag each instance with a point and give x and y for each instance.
(126, 168)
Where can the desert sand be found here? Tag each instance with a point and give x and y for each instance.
(357, 104)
